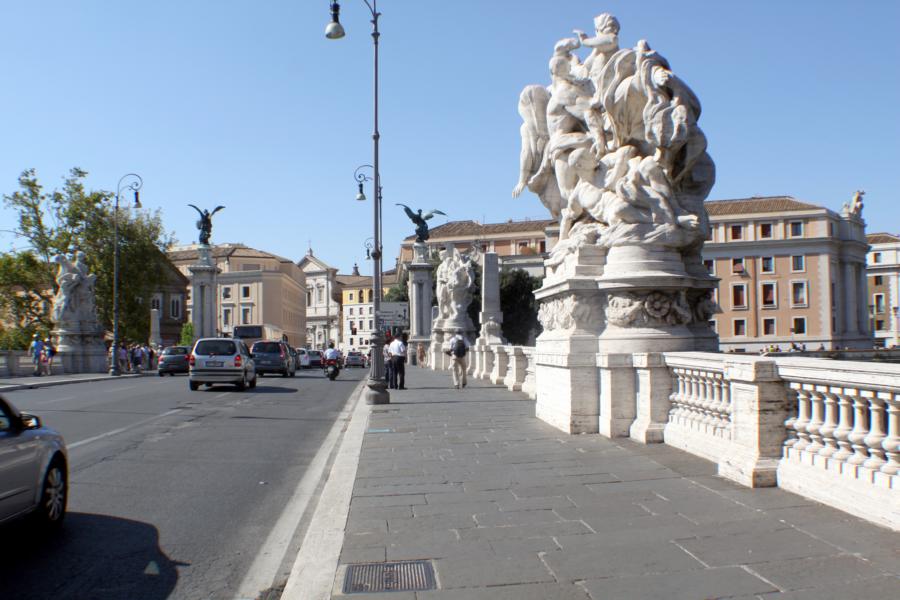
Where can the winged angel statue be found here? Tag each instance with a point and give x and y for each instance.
(420, 220)
(205, 222)
(612, 147)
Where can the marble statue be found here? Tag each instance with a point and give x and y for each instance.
(455, 278)
(855, 205)
(420, 221)
(74, 301)
(612, 147)
(204, 225)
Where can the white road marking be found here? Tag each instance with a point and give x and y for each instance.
(63, 399)
(121, 389)
(262, 572)
(121, 429)
(222, 394)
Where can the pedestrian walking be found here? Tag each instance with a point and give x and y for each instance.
(37, 351)
(123, 358)
(49, 353)
(137, 358)
(398, 362)
(459, 348)
(388, 366)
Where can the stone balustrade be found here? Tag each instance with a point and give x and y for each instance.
(528, 385)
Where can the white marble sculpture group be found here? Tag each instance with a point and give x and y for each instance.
(78, 334)
(454, 284)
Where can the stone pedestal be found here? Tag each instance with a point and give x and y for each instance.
(80, 348)
(420, 298)
(155, 337)
(501, 364)
(204, 293)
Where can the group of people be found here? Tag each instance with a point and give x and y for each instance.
(42, 353)
(394, 354)
(133, 358)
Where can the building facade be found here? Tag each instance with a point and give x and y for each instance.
(358, 310)
(169, 300)
(323, 302)
(253, 288)
(790, 272)
(883, 270)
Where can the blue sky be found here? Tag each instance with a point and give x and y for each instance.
(247, 104)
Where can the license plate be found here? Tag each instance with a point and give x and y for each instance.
(214, 363)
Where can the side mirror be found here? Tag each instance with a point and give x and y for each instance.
(30, 421)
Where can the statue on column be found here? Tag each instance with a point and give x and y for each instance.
(420, 221)
(204, 225)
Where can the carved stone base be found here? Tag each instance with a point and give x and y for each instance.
(80, 350)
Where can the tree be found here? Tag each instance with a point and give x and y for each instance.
(187, 335)
(518, 306)
(400, 291)
(75, 218)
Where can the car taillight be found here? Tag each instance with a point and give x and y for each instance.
(237, 360)
(191, 359)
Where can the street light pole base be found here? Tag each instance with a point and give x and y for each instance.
(376, 392)
(114, 372)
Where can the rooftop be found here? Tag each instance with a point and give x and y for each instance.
(182, 253)
(765, 204)
(882, 238)
(475, 229)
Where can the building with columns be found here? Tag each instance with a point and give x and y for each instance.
(883, 270)
(323, 301)
(790, 272)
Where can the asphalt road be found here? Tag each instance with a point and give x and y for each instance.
(175, 494)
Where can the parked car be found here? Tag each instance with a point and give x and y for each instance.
(354, 359)
(174, 359)
(302, 358)
(273, 357)
(295, 358)
(315, 359)
(34, 473)
(221, 360)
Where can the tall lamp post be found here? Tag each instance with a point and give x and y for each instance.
(377, 389)
(133, 182)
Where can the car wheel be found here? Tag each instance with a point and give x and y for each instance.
(253, 382)
(293, 372)
(242, 384)
(54, 494)
(193, 385)
(260, 373)
(161, 374)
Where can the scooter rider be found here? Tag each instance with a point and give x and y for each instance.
(331, 353)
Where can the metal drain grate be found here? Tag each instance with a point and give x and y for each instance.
(407, 576)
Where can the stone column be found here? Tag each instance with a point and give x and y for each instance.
(617, 394)
(501, 363)
(862, 294)
(654, 387)
(155, 337)
(760, 405)
(490, 290)
(204, 294)
(515, 372)
(420, 299)
(850, 307)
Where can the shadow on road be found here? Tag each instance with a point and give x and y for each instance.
(93, 556)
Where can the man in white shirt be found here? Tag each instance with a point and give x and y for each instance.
(331, 353)
(459, 348)
(398, 362)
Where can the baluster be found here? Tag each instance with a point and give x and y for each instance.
(876, 433)
(677, 398)
(791, 422)
(802, 418)
(726, 406)
(829, 426)
(696, 409)
(860, 429)
(816, 421)
(845, 426)
(891, 443)
(705, 401)
(716, 390)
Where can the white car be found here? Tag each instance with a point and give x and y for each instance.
(34, 473)
(221, 360)
(303, 358)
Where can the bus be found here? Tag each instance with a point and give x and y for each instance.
(254, 333)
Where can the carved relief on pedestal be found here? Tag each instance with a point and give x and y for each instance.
(570, 312)
(649, 309)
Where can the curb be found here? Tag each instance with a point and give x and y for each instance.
(312, 576)
(43, 384)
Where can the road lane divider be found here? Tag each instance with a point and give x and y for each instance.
(97, 438)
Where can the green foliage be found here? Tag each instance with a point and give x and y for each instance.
(75, 218)
(518, 306)
(399, 292)
(187, 335)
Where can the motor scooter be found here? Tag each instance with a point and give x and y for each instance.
(332, 368)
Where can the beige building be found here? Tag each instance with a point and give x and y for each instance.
(254, 288)
(883, 267)
(789, 271)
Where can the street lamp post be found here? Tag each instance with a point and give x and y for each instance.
(377, 389)
(133, 182)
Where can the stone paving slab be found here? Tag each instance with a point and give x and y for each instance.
(507, 507)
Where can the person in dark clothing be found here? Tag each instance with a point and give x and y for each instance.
(397, 350)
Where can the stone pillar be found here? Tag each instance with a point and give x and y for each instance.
(501, 363)
(420, 299)
(490, 290)
(155, 337)
(515, 371)
(862, 294)
(850, 306)
(204, 294)
(760, 405)
(486, 361)
(617, 394)
(653, 387)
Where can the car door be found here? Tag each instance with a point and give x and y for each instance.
(19, 454)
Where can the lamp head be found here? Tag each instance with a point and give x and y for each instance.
(137, 199)
(361, 196)
(334, 30)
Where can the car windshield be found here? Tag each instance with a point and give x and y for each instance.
(315, 353)
(267, 347)
(171, 351)
(214, 347)
(354, 354)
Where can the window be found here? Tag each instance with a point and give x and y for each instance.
(740, 327)
(371, 295)
(798, 264)
(798, 293)
(351, 310)
(156, 302)
(370, 323)
(769, 295)
(245, 291)
(370, 310)
(226, 292)
(739, 296)
(710, 266)
(351, 341)
(878, 303)
(737, 232)
(879, 280)
(737, 265)
(226, 317)
(767, 264)
(876, 257)
(765, 230)
(795, 229)
(175, 307)
(350, 296)
(320, 296)
(542, 246)
(308, 296)
(768, 326)
(245, 316)
(799, 326)
(879, 325)
(250, 267)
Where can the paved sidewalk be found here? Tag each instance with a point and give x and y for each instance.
(11, 384)
(507, 507)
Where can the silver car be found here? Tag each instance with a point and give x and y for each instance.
(221, 360)
(34, 472)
